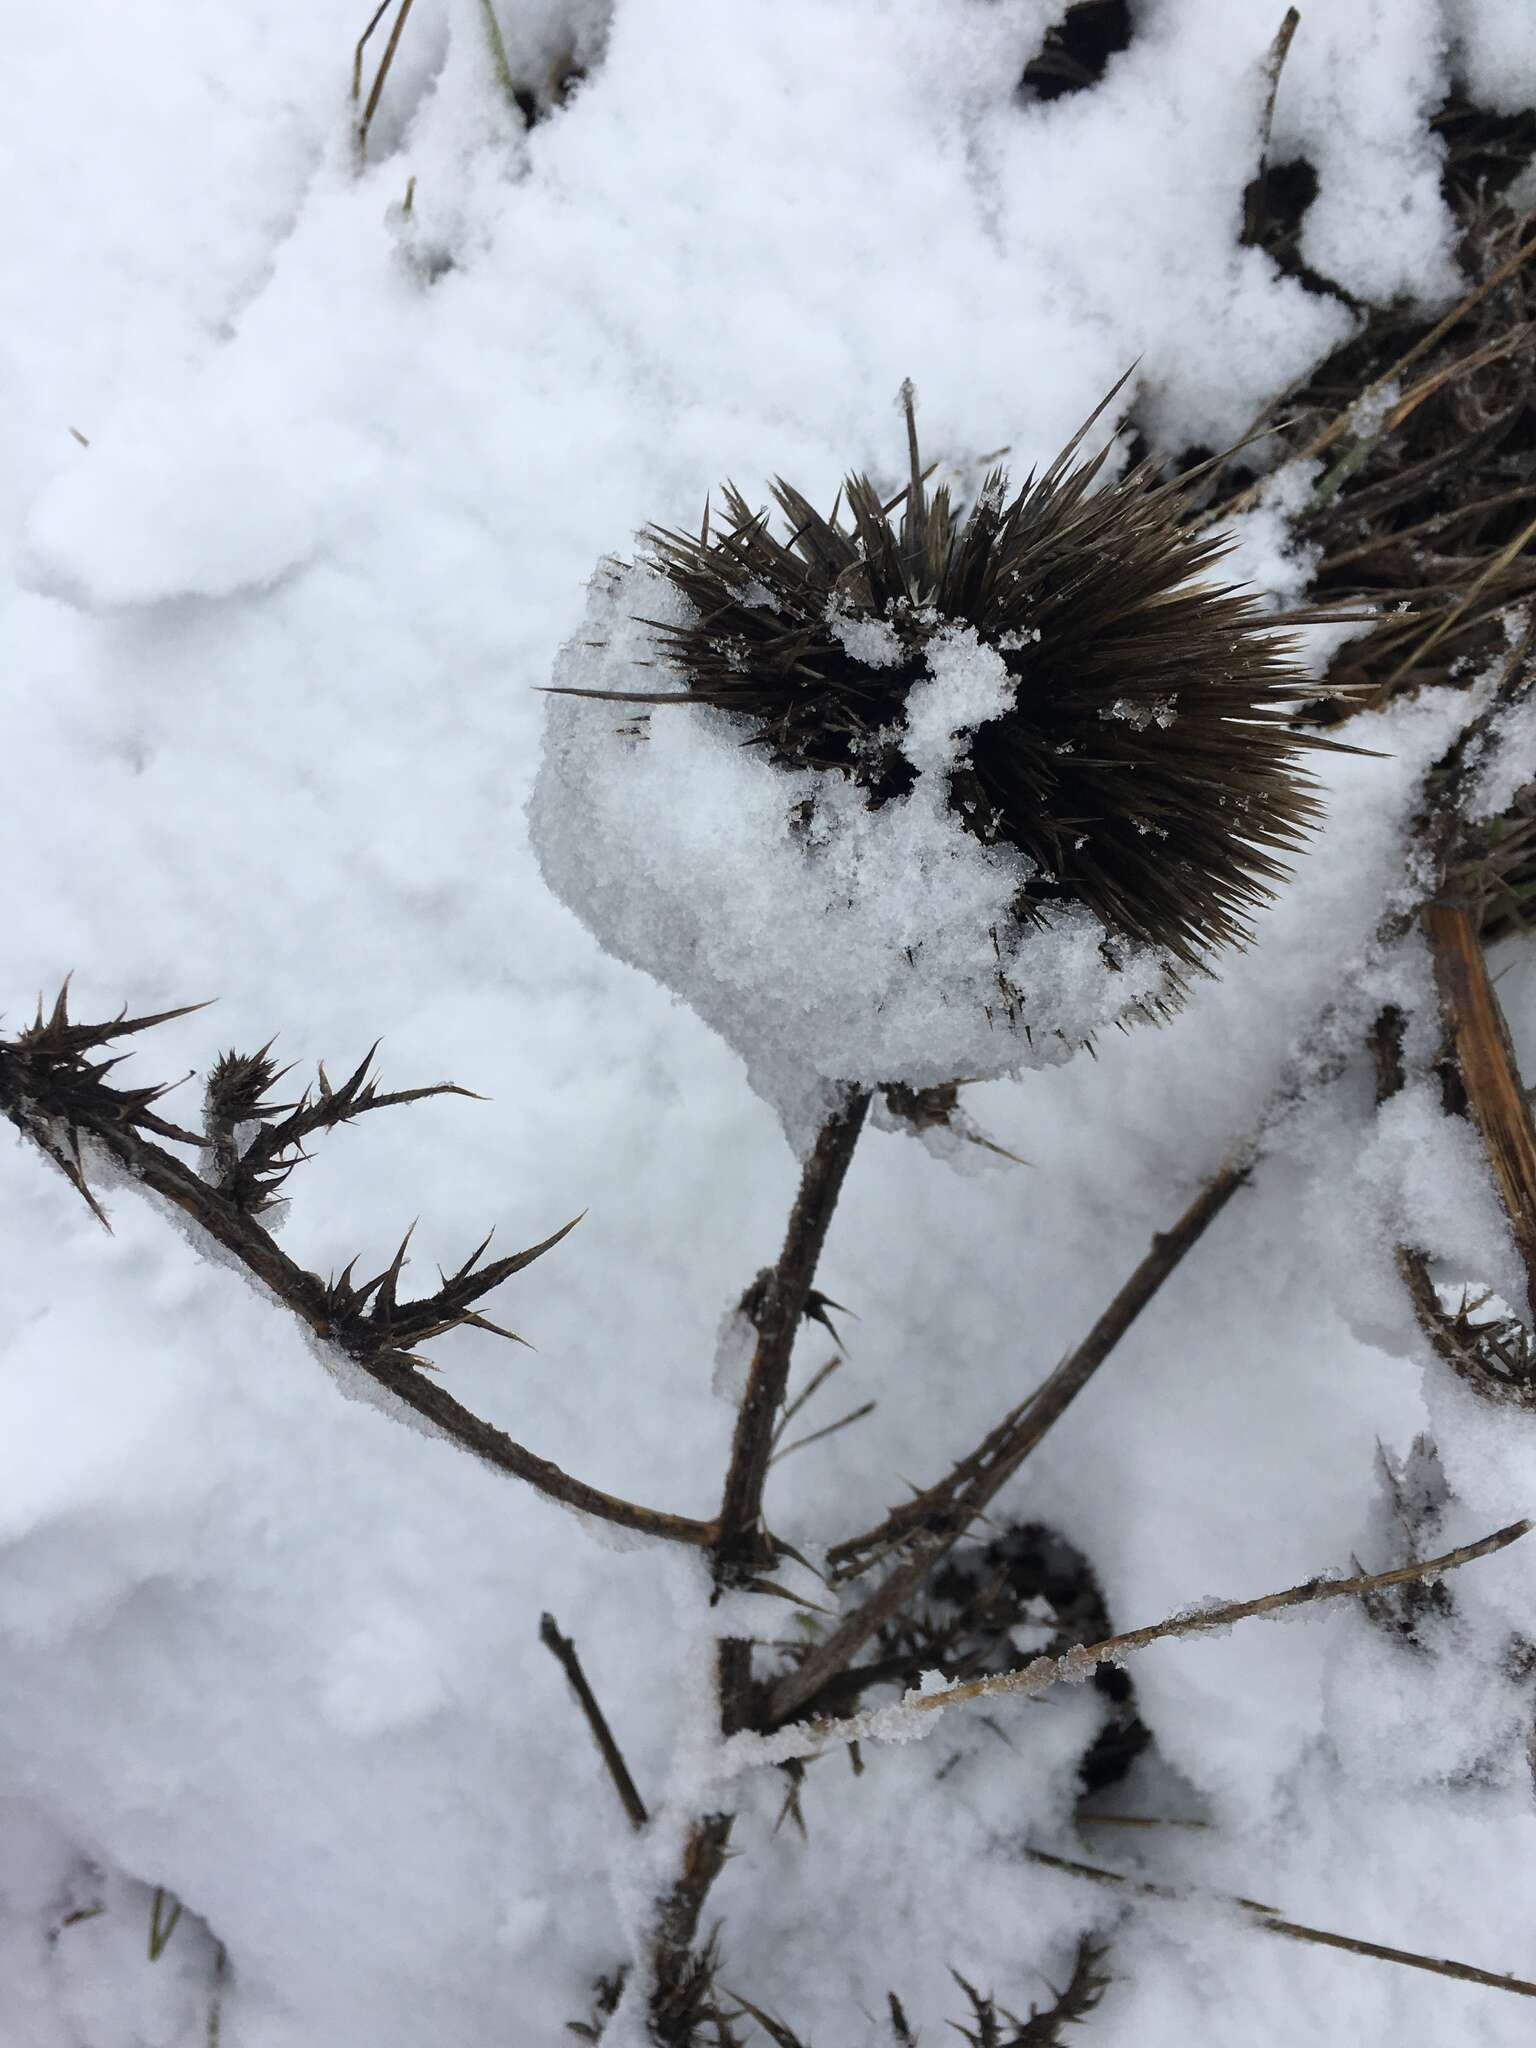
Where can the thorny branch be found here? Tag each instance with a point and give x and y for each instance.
(57, 1096)
(938, 1517)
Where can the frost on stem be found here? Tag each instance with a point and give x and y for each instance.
(918, 790)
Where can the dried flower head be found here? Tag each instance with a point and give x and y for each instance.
(913, 791)
(1144, 760)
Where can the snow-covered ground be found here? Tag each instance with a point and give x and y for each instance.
(302, 492)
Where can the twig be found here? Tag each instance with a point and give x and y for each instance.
(385, 61)
(563, 1650)
(827, 1429)
(1269, 1918)
(1279, 49)
(938, 1517)
(903, 1722)
(162, 1925)
(362, 43)
(1000, 1454)
(779, 1299)
(672, 1959)
(1083, 1662)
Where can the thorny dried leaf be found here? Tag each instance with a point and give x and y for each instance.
(778, 2033)
(819, 1307)
(607, 1990)
(690, 2003)
(1041, 2029)
(938, 1109)
(1417, 1492)
(369, 1320)
(253, 1175)
(1495, 1355)
(901, 2028)
(51, 1087)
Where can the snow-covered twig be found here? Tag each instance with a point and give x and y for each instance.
(906, 1721)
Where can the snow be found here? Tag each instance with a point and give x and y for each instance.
(829, 943)
(274, 638)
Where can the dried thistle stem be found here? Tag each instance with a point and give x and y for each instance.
(1046, 1671)
(1274, 1922)
(936, 1520)
(742, 1548)
(901, 1722)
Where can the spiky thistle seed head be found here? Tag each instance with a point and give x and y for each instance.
(1145, 764)
(911, 790)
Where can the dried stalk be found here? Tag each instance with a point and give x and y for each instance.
(374, 19)
(1274, 64)
(1478, 1061)
(388, 58)
(1478, 1041)
(742, 1548)
(1270, 1918)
